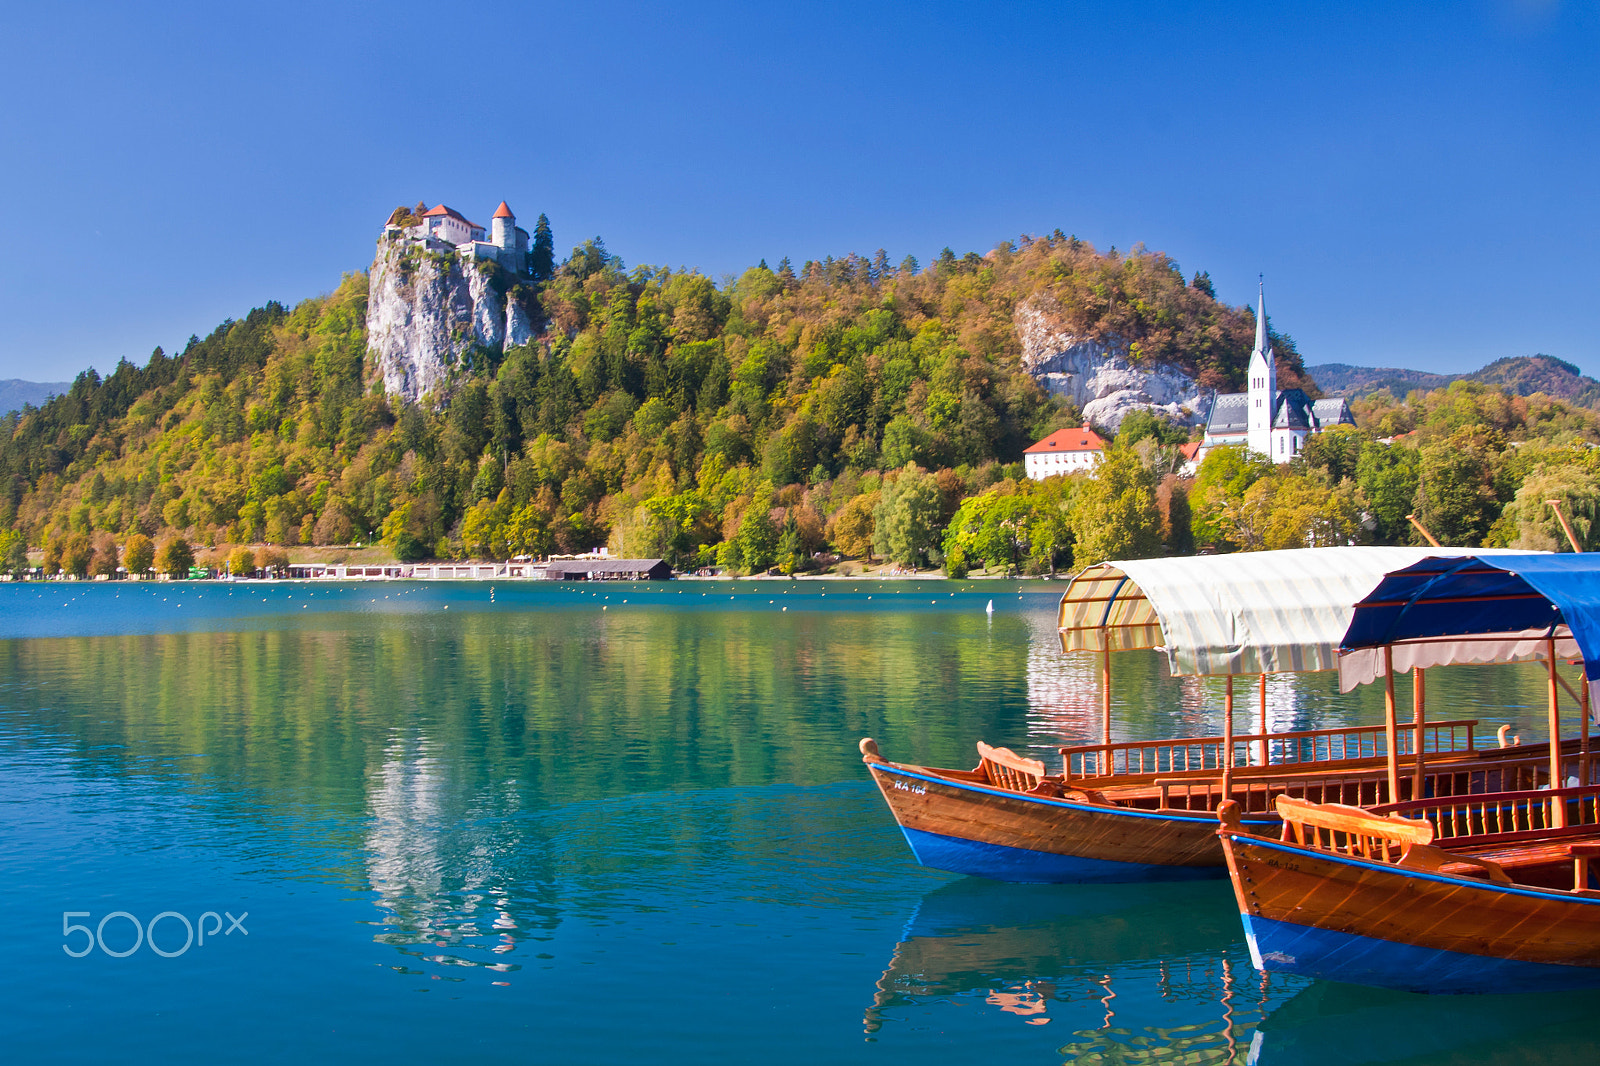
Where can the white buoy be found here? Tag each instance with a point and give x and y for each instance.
(989, 609)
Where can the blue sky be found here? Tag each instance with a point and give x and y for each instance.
(1417, 181)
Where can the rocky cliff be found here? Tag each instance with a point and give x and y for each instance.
(1098, 375)
(428, 309)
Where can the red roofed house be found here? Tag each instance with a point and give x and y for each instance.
(1065, 451)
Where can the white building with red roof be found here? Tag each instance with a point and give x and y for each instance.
(1066, 451)
(444, 228)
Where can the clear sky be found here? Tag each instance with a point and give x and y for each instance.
(1416, 181)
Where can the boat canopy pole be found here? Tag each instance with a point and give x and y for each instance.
(1558, 808)
(1583, 745)
(1227, 742)
(1391, 731)
(1262, 743)
(1419, 698)
(1105, 697)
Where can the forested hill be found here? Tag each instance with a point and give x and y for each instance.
(1524, 375)
(656, 410)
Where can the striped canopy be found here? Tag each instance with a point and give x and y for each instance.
(1247, 613)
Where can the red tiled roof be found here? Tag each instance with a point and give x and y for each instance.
(449, 212)
(503, 211)
(1068, 440)
(1190, 449)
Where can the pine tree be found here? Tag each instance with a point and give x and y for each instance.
(542, 259)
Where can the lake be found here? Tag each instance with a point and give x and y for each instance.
(398, 821)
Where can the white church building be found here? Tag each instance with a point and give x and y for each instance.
(1275, 424)
(446, 229)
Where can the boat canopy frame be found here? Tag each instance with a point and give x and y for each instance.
(1245, 613)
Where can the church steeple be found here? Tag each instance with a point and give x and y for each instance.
(1263, 384)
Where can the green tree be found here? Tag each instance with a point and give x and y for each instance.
(1295, 511)
(1225, 475)
(907, 518)
(542, 253)
(1456, 498)
(139, 554)
(851, 530)
(241, 561)
(13, 552)
(76, 555)
(1532, 522)
(1116, 515)
(1335, 454)
(756, 541)
(1387, 475)
(174, 558)
(791, 547)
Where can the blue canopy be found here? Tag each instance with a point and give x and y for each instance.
(1502, 608)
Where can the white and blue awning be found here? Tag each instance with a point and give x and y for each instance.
(1246, 613)
(1506, 607)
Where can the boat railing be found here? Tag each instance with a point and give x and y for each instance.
(1506, 817)
(1310, 746)
(1257, 789)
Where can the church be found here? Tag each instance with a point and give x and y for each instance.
(1273, 423)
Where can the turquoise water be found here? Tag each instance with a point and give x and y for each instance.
(562, 824)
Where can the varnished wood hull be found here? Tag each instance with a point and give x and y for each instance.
(970, 828)
(1340, 918)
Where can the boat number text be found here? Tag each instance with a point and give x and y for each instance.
(919, 790)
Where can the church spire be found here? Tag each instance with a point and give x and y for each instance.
(1262, 396)
(1261, 317)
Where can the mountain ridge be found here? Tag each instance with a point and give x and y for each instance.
(1524, 375)
(15, 392)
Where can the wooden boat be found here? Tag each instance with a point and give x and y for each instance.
(1010, 820)
(1481, 893)
(1348, 895)
(1144, 810)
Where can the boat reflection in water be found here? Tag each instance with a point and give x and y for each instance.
(1120, 973)
(1352, 1024)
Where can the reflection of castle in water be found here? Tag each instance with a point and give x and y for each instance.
(441, 875)
(1144, 973)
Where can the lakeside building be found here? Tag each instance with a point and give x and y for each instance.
(1066, 451)
(1271, 422)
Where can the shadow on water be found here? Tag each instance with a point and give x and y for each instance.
(1350, 1024)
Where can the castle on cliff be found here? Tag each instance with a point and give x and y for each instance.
(444, 229)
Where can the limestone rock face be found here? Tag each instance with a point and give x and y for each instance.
(1098, 376)
(426, 309)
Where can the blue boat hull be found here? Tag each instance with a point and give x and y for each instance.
(956, 823)
(1027, 866)
(1283, 947)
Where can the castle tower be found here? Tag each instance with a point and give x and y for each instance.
(503, 236)
(1263, 391)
